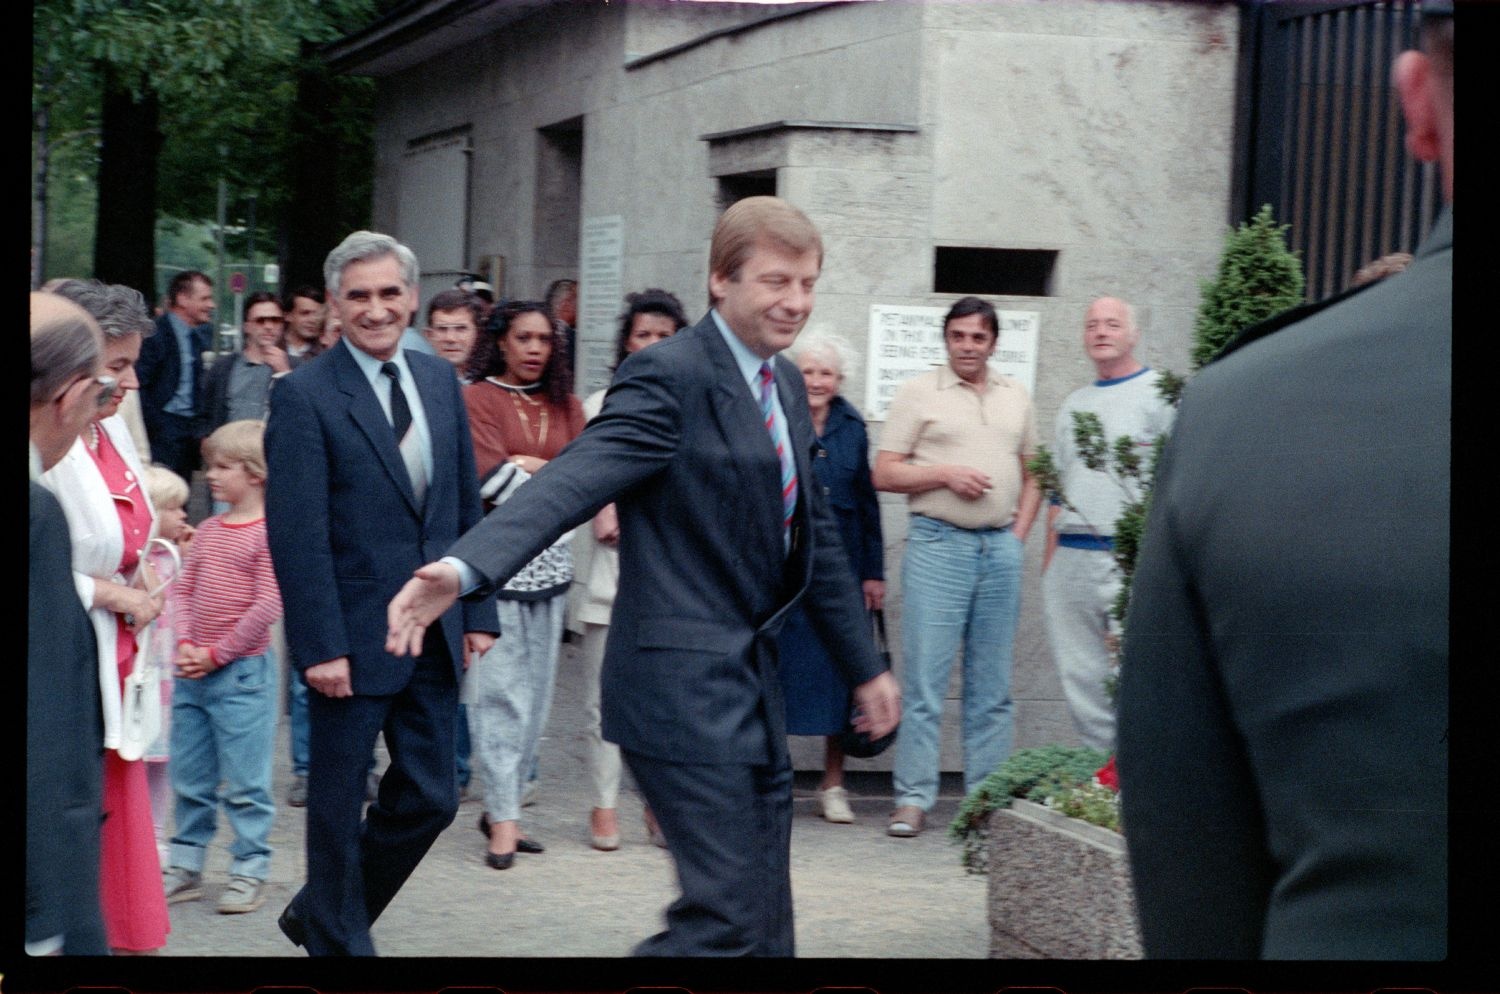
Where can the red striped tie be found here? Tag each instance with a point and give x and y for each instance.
(783, 450)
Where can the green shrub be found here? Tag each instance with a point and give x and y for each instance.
(1258, 277)
(1046, 772)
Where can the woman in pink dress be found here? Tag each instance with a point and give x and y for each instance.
(99, 484)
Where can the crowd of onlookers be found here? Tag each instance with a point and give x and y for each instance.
(199, 601)
(196, 603)
(1284, 663)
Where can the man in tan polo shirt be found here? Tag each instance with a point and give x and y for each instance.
(956, 441)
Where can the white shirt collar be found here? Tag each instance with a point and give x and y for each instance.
(370, 366)
(748, 361)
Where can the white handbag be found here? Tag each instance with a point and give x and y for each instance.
(140, 702)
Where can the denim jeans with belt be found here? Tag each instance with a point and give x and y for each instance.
(223, 730)
(960, 587)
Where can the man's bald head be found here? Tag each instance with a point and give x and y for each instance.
(1110, 336)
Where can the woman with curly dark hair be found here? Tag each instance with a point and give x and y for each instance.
(649, 317)
(521, 414)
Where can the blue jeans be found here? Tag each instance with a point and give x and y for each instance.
(223, 730)
(297, 719)
(960, 587)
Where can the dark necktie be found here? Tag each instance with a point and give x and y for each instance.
(406, 437)
(400, 410)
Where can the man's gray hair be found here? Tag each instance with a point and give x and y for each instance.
(362, 246)
(830, 347)
(119, 309)
(64, 345)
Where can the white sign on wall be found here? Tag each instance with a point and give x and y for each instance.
(905, 341)
(600, 299)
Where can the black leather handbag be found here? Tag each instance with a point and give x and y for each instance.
(859, 744)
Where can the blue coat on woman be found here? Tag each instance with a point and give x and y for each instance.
(817, 698)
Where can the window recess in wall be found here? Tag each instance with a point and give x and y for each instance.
(738, 186)
(993, 271)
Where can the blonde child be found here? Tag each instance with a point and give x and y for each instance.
(224, 705)
(168, 493)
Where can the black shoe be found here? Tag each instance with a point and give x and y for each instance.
(484, 825)
(526, 845)
(499, 861)
(292, 926)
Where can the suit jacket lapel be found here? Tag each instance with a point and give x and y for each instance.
(369, 417)
(738, 418)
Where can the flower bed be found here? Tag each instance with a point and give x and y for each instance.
(1045, 826)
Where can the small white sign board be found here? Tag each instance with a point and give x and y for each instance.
(906, 340)
(600, 300)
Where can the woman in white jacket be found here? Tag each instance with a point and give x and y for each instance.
(650, 316)
(99, 485)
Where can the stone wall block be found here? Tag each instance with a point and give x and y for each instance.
(1059, 888)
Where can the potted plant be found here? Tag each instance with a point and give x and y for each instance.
(1045, 826)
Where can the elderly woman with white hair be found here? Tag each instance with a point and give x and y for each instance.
(817, 699)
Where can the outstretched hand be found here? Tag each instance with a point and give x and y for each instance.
(878, 704)
(431, 591)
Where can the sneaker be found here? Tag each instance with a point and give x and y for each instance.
(906, 822)
(181, 885)
(241, 895)
(834, 803)
(297, 796)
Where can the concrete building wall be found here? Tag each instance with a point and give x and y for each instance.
(1100, 129)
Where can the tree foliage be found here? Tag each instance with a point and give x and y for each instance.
(225, 75)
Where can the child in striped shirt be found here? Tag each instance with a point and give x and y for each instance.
(224, 702)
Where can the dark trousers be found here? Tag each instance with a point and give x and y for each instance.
(355, 866)
(174, 445)
(729, 829)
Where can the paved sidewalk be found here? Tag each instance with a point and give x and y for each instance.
(858, 892)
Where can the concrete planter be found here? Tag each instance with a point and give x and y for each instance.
(1059, 888)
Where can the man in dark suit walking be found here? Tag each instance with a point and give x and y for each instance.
(704, 444)
(171, 373)
(371, 475)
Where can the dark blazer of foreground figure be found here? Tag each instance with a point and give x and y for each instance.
(1284, 693)
(64, 744)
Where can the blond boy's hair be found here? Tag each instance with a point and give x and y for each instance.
(241, 442)
(164, 488)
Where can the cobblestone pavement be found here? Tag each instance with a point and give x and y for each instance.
(858, 893)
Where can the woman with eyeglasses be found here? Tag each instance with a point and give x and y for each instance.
(100, 487)
(522, 413)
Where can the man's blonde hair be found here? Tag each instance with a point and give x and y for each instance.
(241, 442)
(755, 220)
